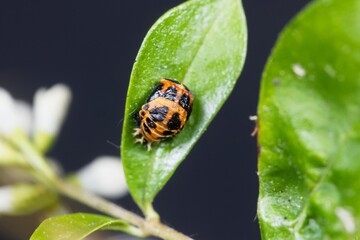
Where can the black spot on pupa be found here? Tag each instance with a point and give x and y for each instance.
(156, 93)
(168, 133)
(146, 128)
(158, 114)
(184, 101)
(145, 107)
(137, 119)
(142, 113)
(150, 123)
(170, 93)
(174, 123)
(171, 80)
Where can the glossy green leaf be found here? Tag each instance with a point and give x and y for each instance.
(309, 120)
(76, 226)
(201, 43)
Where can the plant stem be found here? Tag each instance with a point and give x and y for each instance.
(48, 177)
(45, 174)
(148, 227)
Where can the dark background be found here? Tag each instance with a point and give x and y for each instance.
(91, 46)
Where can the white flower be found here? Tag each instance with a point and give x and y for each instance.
(104, 176)
(50, 109)
(14, 114)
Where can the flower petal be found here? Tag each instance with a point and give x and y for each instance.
(50, 109)
(6, 199)
(7, 113)
(23, 116)
(104, 176)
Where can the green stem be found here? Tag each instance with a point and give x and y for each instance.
(153, 228)
(45, 173)
(48, 177)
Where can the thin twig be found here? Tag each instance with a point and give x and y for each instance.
(148, 227)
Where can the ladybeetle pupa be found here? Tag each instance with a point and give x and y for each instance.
(165, 112)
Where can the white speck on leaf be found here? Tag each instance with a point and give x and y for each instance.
(276, 81)
(330, 70)
(298, 70)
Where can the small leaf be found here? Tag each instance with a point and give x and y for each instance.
(309, 127)
(201, 43)
(76, 226)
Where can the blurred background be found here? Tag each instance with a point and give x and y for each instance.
(91, 46)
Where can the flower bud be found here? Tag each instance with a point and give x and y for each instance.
(9, 156)
(14, 115)
(24, 116)
(104, 176)
(50, 109)
(6, 199)
(7, 114)
(24, 199)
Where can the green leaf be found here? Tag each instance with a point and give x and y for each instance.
(77, 226)
(309, 120)
(201, 43)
